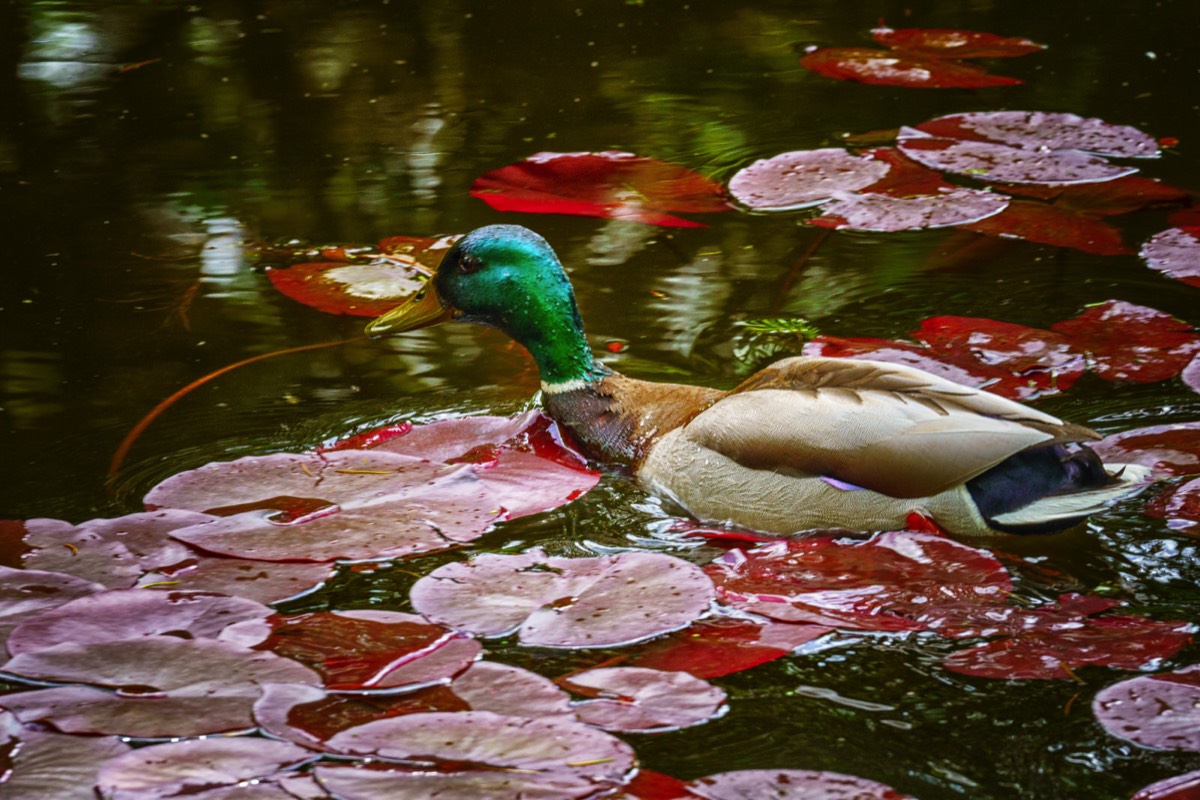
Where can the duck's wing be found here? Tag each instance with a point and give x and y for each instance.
(886, 427)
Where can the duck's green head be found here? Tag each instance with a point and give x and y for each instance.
(507, 277)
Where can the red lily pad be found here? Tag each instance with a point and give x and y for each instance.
(712, 648)
(1035, 362)
(1160, 711)
(25, 593)
(196, 768)
(263, 581)
(946, 43)
(51, 766)
(888, 213)
(1006, 164)
(114, 552)
(1175, 253)
(803, 178)
(1119, 196)
(310, 715)
(1059, 227)
(905, 177)
(893, 68)
(884, 583)
(648, 785)
(637, 699)
(1171, 449)
(970, 620)
(1178, 787)
(610, 185)
(361, 290)
(790, 784)
(351, 504)
(565, 602)
(1056, 651)
(1128, 342)
(478, 754)
(1180, 507)
(357, 650)
(121, 614)
(1040, 130)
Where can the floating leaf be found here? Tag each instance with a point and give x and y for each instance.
(1191, 374)
(356, 650)
(892, 68)
(1059, 227)
(790, 784)
(1056, 651)
(1160, 711)
(197, 767)
(478, 754)
(882, 583)
(121, 614)
(637, 699)
(718, 646)
(887, 213)
(1175, 252)
(1043, 130)
(166, 686)
(361, 290)
(565, 602)
(803, 178)
(114, 552)
(797, 326)
(266, 582)
(611, 185)
(1171, 449)
(27, 592)
(944, 43)
(1119, 196)
(1006, 164)
(51, 766)
(1128, 342)
(1179, 787)
(905, 177)
(1179, 506)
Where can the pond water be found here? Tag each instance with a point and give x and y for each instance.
(145, 146)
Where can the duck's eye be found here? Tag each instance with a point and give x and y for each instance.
(468, 265)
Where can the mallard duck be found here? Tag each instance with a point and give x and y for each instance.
(805, 443)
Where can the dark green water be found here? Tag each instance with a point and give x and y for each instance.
(126, 198)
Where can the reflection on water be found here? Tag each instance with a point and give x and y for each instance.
(143, 145)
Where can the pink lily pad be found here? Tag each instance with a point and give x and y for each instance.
(888, 213)
(310, 715)
(790, 784)
(611, 185)
(711, 648)
(263, 581)
(51, 766)
(121, 614)
(1007, 164)
(1180, 507)
(1178, 787)
(1160, 711)
(196, 767)
(114, 552)
(1191, 374)
(946, 43)
(1128, 342)
(803, 178)
(637, 699)
(565, 602)
(1059, 227)
(1039, 130)
(478, 754)
(1175, 253)
(884, 583)
(894, 68)
(357, 650)
(349, 504)
(165, 686)
(1055, 652)
(1171, 449)
(25, 593)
